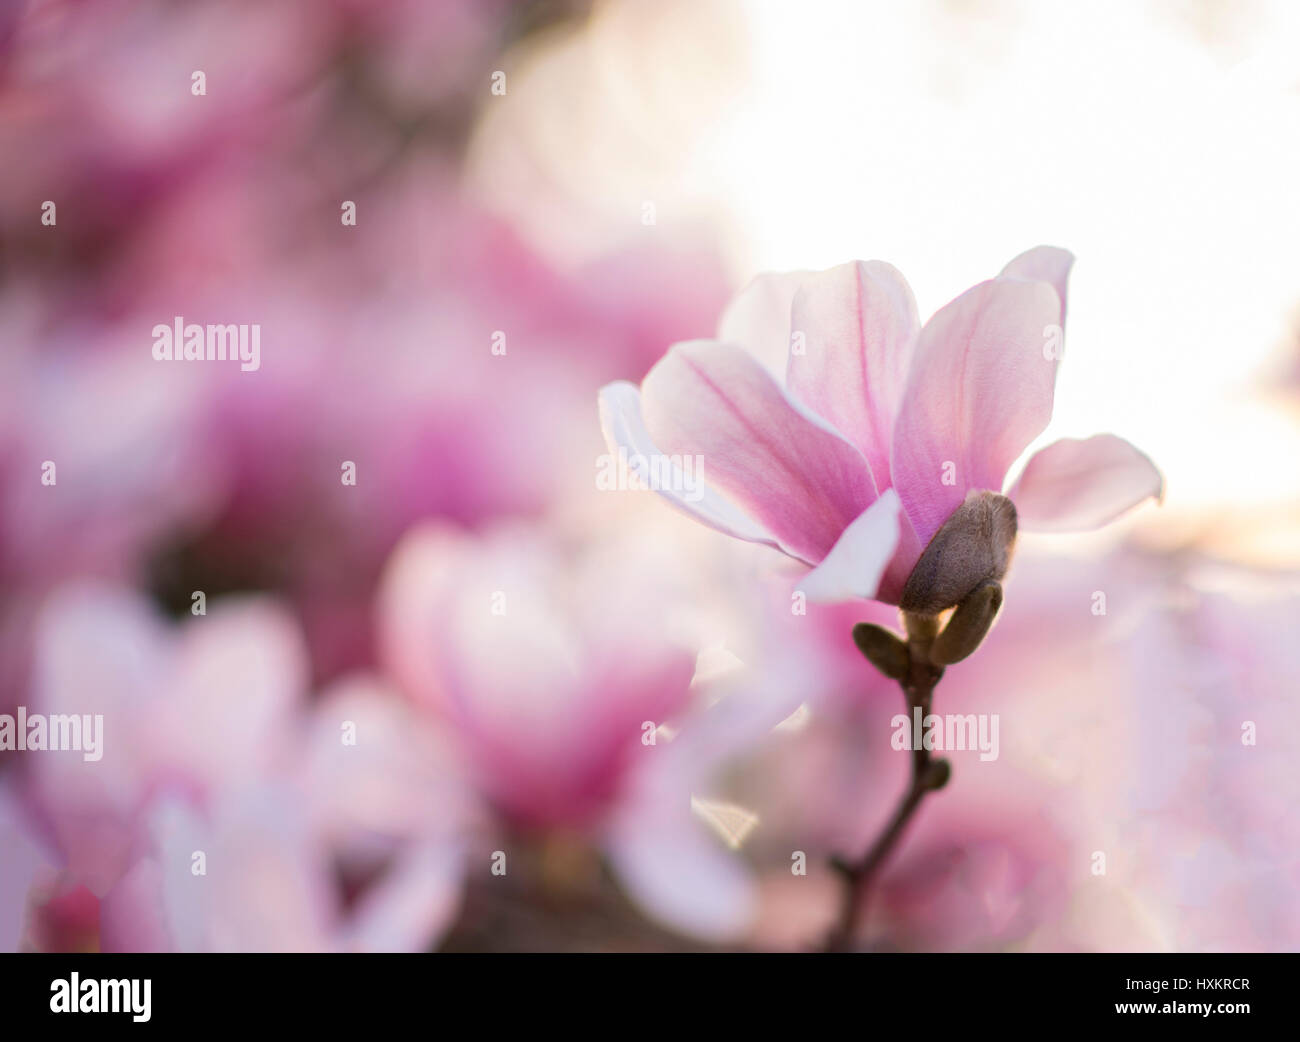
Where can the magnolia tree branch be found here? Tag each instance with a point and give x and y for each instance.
(910, 664)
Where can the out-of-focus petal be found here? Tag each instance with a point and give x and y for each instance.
(1076, 484)
(682, 876)
(21, 857)
(265, 887)
(545, 663)
(411, 907)
(786, 468)
(857, 562)
(376, 766)
(625, 433)
(1049, 264)
(131, 915)
(980, 389)
(241, 676)
(103, 654)
(664, 854)
(758, 318)
(385, 790)
(858, 324)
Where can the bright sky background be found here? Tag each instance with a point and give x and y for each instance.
(1159, 141)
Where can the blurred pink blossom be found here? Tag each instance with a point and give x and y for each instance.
(567, 681)
(208, 745)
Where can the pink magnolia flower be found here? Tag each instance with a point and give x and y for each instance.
(208, 744)
(881, 427)
(197, 709)
(547, 674)
(365, 799)
(567, 679)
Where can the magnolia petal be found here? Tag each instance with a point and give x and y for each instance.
(858, 324)
(131, 915)
(1049, 264)
(682, 876)
(242, 675)
(104, 652)
(413, 906)
(900, 568)
(625, 433)
(980, 390)
(858, 560)
(273, 890)
(1076, 484)
(758, 318)
(21, 858)
(786, 468)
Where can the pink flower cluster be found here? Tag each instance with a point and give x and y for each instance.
(429, 706)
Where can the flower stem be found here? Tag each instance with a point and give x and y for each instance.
(928, 775)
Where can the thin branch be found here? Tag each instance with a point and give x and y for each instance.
(928, 775)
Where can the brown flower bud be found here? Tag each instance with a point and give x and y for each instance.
(883, 649)
(936, 776)
(973, 547)
(969, 624)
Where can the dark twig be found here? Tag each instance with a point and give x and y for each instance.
(928, 775)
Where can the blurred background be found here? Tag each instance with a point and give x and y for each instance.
(468, 701)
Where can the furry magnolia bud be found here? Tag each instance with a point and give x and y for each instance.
(969, 625)
(882, 649)
(972, 548)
